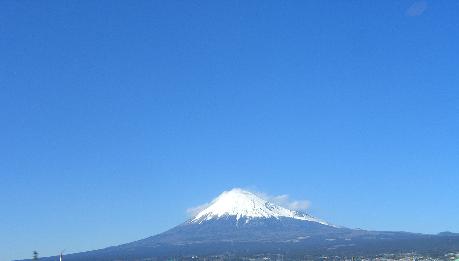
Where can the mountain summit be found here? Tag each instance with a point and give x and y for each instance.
(243, 204)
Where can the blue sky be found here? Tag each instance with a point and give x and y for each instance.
(118, 116)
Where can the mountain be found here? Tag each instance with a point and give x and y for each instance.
(240, 223)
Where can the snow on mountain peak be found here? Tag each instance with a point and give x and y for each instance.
(244, 204)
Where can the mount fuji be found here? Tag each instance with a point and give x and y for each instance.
(240, 223)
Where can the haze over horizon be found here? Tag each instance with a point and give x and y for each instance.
(119, 117)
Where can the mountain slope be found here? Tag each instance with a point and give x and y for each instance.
(241, 216)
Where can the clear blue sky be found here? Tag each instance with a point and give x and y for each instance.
(117, 116)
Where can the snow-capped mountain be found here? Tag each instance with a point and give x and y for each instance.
(246, 205)
(239, 222)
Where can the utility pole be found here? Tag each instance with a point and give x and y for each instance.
(35, 255)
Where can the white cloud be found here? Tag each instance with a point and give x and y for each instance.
(193, 211)
(417, 8)
(285, 201)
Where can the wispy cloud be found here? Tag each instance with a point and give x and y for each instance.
(193, 211)
(417, 8)
(285, 201)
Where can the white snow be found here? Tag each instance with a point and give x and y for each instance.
(245, 204)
